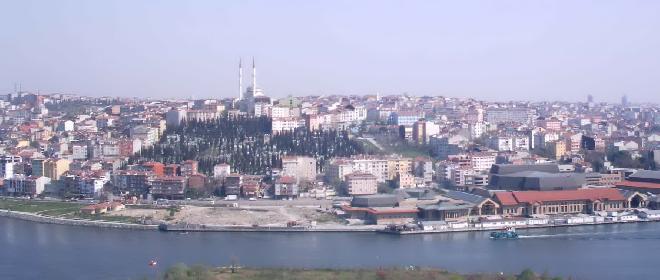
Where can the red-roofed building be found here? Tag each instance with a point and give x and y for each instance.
(562, 202)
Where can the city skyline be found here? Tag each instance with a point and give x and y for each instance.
(505, 51)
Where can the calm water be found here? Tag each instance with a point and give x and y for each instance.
(42, 251)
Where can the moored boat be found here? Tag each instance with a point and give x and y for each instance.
(507, 233)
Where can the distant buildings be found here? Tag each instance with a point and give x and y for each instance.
(508, 115)
(300, 167)
(21, 185)
(360, 183)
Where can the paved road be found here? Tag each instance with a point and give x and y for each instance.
(323, 203)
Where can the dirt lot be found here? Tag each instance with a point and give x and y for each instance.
(262, 216)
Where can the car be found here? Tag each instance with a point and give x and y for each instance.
(252, 199)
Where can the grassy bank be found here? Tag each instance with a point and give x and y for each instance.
(183, 272)
(40, 207)
(58, 209)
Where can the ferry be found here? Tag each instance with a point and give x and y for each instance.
(507, 233)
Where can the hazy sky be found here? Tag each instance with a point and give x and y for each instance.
(494, 50)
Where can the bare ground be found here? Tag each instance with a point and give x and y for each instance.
(245, 216)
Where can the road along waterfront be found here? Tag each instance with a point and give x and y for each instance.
(50, 251)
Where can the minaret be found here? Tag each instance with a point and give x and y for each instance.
(240, 79)
(254, 78)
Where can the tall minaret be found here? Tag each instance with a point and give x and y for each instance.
(240, 79)
(254, 78)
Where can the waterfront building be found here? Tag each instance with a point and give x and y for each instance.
(459, 207)
(381, 215)
(586, 201)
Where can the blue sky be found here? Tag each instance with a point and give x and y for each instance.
(493, 50)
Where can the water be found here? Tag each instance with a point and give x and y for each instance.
(44, 251)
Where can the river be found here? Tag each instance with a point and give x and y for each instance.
(45, 251)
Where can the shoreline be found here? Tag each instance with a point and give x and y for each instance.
(178, 228)
(32, 217)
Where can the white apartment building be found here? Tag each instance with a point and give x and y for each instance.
(361, 184)
(280, 125)
(300, 167)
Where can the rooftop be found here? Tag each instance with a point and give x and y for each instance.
(514, 198)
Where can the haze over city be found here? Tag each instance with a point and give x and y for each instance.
(500, 50)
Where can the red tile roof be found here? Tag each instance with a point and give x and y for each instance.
(513, 198)
(639, 185)
(506, 198)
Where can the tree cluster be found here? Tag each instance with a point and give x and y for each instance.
(246, 143)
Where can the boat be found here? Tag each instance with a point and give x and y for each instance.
(153, 263)
(507, 233)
